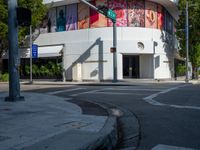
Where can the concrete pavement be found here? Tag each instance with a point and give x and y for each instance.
(52, 123)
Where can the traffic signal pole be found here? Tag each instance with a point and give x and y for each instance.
(14, 58)
(105, 13)
(115, 51)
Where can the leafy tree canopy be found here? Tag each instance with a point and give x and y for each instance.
(38, 10)
(194, 31)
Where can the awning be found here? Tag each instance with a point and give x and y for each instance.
(43, 52)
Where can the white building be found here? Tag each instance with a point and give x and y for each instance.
(146, 47)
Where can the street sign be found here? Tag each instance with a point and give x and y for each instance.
(111, 14)
(34, 51)
(113, 49)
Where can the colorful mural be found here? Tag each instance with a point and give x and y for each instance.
(83, 16)
(71, 17)
(150, 15)
(120, 8)
(61, 21)
(136, 13)
(96, 19)
(160, 17)
(133, 13)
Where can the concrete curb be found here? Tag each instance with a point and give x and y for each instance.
(107, 139)
(108, 136)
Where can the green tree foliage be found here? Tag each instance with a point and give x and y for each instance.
(38, 10)
(194, 32)
(3, 25)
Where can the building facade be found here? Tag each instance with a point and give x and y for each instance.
(146, 44)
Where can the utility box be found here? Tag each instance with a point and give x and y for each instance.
(77, 72)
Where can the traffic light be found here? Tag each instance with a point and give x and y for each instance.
(23, 16)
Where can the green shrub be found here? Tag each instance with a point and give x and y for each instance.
(180, 69)
(4, 77)
(27, 70)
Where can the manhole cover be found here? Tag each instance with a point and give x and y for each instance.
(74, 124)
(5, 109)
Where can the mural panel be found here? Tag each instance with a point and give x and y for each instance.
(83, 16)
(96, 19)
(52, 20)
(71, 17)
(150, 15)
(120, 8)
(136, 13)
(160, 17)
(169, 22)
(60, 21)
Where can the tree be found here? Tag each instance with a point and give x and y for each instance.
(194, 33)
(3, 26)
(38, 10)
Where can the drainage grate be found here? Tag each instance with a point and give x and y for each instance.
(4, 138)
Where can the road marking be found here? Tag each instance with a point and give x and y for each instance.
(112, 93)
(169, 147)
(93, 91)
(62, 91)
(150, 99)
(135, 89)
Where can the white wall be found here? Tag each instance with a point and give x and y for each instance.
(146, 66)
(91, 46)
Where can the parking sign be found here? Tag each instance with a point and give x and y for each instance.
(34, 51)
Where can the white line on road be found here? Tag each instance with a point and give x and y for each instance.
(134, 89)
(93, 91)
(150, 99)
(169, 147)
(62, 91)
(112, 93)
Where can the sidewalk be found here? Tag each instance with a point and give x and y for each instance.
(52, 123)
(123, 82)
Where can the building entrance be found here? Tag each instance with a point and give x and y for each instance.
(131, 66)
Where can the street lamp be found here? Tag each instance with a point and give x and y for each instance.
(187, 40)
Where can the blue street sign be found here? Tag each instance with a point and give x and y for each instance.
(34, 51)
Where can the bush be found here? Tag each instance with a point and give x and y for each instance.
(4, 77)
(180, 69)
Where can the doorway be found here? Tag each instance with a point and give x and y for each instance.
(131, 66)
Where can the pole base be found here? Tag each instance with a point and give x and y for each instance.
(14, 99)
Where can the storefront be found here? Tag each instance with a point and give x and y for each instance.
(145, 38)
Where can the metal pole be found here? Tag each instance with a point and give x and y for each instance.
(14, 58)
(90, 5)
(115, 51)
(114, 40)
(187, 43)
(31, 66)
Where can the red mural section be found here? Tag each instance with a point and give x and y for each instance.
(98, 20)
(136, 13)
(83, 16)
(150, 15)
(161, 19)
(120, 8)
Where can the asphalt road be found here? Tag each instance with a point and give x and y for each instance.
(168, 114)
